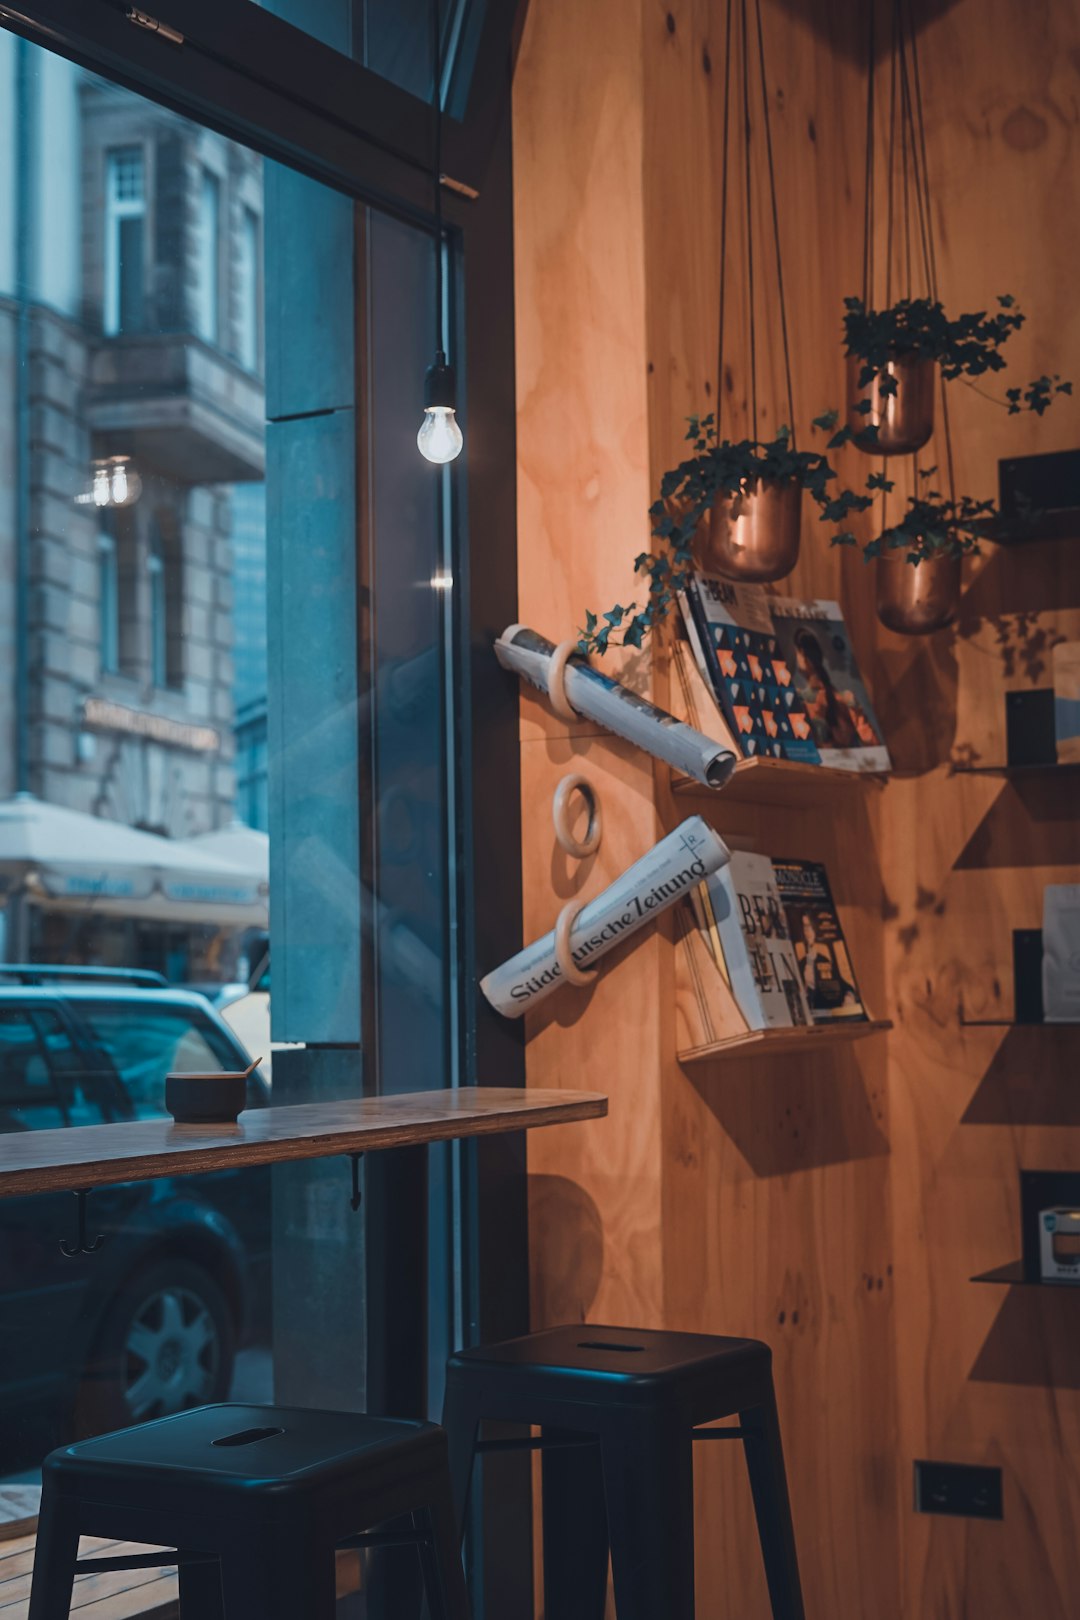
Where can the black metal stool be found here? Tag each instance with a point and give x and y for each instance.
(619, 1412)
(255, 1499)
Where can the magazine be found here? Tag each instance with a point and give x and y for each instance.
(753, 935)
(821, 951)
(814, 641)
(734, 641)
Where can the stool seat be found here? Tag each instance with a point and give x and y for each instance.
(251, 1449)
(255, 1500)
(620, 1409)
(624, 1363)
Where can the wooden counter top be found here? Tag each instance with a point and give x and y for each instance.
(143, 1150)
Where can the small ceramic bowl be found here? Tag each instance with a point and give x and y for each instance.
(207, 1099)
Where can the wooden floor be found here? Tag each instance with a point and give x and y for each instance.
(135, 1594)
(121, 1596)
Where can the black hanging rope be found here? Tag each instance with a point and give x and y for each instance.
(749, 224)
(725, 189)
(775, 225)
(891, 170)
(723, 223)
(868, 200)
(931, 251)
(905, 108)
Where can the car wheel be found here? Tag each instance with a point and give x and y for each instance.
(167, 1343)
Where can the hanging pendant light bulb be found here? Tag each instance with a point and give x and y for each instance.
(439, 439)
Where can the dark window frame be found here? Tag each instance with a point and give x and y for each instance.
(260, 81)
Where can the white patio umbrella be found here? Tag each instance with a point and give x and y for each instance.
(242, 846)
(68, 860)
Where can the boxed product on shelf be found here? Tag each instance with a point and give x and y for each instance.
(1059, 1245)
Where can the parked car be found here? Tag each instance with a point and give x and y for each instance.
(150, 1323)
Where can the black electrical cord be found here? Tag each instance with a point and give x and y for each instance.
(436, 173)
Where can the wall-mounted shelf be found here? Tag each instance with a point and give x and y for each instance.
(1015, 1023)
(1012, 1276)
(781, 782)
(774, 1042)
(1046, 768)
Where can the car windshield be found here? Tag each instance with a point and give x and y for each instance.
(44, 1079)
(147, 1042)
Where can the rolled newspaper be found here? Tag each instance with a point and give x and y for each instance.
(602, 698)
(656, 881)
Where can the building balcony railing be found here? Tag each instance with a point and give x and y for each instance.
(178, 407)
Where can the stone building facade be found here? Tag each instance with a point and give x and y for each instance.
(130, 326)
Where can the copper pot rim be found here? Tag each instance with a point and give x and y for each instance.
(758, 486)
(901, 554)
(905, 357)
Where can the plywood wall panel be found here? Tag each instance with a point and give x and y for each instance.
(834, 1204)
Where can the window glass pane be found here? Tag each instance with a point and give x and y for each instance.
(393, 39)
(219, 643)
(248, 291)
(124, 268)
(208, 258)
(109, 599)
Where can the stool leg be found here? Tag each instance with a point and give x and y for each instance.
(461, 1420)
(768, 1482)
(575, 1530)
(55, 1555)
(260, 1582)
(200, 1591)
(440, 1559)
(649, 1486)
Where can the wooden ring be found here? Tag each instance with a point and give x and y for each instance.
(555, 683)
(560, 805)
(567, 966)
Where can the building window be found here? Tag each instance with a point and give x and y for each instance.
(208, 258)
(125, 241)
(156, 566)
(109, 596)
(165, 567)
(247, 291)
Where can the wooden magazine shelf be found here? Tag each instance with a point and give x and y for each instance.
(708, 1023)
(782, 782)
(774, 1042)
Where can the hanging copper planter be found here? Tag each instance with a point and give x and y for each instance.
(904, 420)
(915, 599)
(753, 535)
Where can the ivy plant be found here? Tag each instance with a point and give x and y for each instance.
(968, 346)
(687, 492)
(933, 525)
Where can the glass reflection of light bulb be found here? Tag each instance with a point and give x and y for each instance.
(113, 482)
(439, 438)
